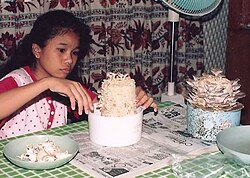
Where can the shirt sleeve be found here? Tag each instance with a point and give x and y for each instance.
(7, 84)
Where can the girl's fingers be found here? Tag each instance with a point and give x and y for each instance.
(79, 97)
(144, 100)
(72, 100)
(87, 101)
(148, 102)
(82, 98)
(74, 91)
(141, 98)
(155, 106)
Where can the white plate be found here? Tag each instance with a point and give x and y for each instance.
(17, 147)
(234, 142)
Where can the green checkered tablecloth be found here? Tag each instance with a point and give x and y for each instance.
(8, 170)
(199, 167)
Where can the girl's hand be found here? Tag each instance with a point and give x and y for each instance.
(74, 91)
(144, 100)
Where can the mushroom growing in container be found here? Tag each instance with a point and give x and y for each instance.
(212, 105)
(214, 92)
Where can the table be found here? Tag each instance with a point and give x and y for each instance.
(200, 166)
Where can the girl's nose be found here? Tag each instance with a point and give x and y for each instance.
(69, 59)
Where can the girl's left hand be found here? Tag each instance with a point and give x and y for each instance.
(144, 100)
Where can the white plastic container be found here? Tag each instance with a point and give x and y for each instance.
(115, 131)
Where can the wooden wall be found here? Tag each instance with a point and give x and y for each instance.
(238, 50)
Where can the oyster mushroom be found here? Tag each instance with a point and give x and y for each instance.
(214, 92)
(44, 152)
(41, 155)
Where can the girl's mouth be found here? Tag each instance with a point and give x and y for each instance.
(66, 70)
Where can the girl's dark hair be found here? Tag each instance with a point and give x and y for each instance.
(46, 27)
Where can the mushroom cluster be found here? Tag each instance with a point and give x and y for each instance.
(214, 92)
(44, 152)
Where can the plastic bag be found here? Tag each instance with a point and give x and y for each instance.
(213, 165)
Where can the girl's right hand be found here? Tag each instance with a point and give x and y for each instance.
(73, 90)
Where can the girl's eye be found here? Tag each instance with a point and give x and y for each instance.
(61, 50)
(76, 53)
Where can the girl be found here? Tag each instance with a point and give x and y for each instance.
(40, 67)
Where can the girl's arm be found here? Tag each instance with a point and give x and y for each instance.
(12, 100)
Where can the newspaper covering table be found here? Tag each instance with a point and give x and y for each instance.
(163, 136)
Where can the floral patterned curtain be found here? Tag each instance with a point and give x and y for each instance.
(127, 36)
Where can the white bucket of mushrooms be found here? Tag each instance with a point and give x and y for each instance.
(212, 105)
(115, 131)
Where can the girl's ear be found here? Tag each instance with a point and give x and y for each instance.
(36, 50)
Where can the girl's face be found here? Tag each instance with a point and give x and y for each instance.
(58, 57)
